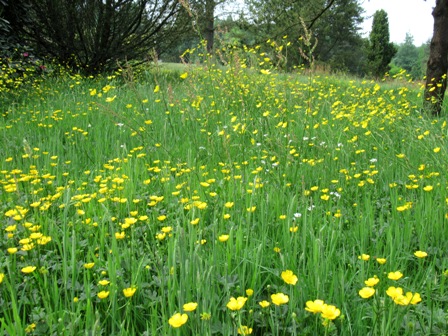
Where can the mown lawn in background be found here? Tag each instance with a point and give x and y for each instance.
(143, 202)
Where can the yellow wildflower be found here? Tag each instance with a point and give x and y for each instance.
(178, 320)
(366, 292)
(315, 306)
(236, 304)
(279, 299)
(190, 306)
(289, 277)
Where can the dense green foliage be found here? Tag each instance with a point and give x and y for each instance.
(216, 200)
(334, 24)
(411, 58)
(94, 35)
(381, 50)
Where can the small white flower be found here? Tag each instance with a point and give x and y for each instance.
(334, 193)
(297, 215)
(373, 160)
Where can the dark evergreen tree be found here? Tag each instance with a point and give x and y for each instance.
(93, 35)
(381, 50)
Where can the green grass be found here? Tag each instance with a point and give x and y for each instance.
(144, 176)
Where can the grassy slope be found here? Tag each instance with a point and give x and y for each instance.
(303, 173)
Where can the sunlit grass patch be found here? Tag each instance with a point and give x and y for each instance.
(222, 200)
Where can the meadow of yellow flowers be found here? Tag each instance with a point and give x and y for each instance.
(222, 199)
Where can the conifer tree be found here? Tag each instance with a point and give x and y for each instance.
(381, 50)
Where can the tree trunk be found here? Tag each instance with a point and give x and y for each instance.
(438, 60)
(210, 24)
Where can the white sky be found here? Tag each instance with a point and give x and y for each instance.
(405, 16)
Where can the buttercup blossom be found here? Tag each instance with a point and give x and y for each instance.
(393, 292)
(330, 312)
(279, 299)
(315, 306)
(420, 254)
(395, 275)
(236, 304)
(381, 261)
(409, 298)
(370, 282)
(103, 294)
(190, 306)
(364, 257)
(178, 320)
(28, 269)
(223, 238)
(366, 292)
(289, 277)
(130, 291)
(264, 304)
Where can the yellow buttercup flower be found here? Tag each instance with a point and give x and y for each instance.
(370, 282)
(381, 261)
(315, 306)
(366, 292)
(12, 250)
(279, 299)
(394, 292)
(223, 238)
(420, 254)
(236, 304)
(289, 277)
(190, 306)
(395, 275)
(264, 304)
(103, 294)
(129, 292)
(330, 312)
(2, 276)
(178, 320)
(229, 204)
(364, 257)
(414, 298)
(28, 269)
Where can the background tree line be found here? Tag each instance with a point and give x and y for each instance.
(93, 36)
